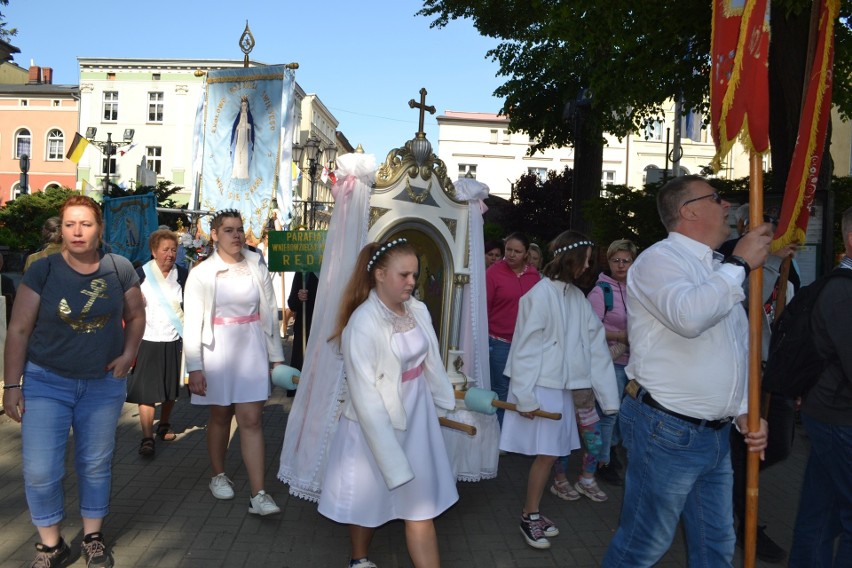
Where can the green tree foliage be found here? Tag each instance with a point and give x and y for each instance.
(21, 219)
(542, 208)
(6, 32)
(629, 57)
(613, 63)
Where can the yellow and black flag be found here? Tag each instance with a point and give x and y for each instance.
(78, 146)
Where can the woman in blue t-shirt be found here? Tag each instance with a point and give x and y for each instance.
(76, 326)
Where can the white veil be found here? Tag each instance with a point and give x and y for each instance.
(315, 412)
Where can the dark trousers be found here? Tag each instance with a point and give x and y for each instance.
(781, 418)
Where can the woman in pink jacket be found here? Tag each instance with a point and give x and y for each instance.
(608, 299)
(505, 282)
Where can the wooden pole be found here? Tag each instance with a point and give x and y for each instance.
(755, 341)
(304, 316)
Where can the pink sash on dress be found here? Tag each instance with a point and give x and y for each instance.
(228, 320)
(412, 374)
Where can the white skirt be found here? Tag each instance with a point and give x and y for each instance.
(542, 436)
(236, 365)
(354, 491)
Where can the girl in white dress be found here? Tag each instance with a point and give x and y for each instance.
(387, 459)
(559, 343)
(230, 339)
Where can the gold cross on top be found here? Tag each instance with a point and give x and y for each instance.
(423, 108)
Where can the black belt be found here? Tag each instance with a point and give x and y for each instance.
(638, 392)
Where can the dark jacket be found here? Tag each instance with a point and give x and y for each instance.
(830, 400)
(297, 357)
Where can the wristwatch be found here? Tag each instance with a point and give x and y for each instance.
(738, 261)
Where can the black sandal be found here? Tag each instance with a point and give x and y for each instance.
(164, 432)
(146, 448)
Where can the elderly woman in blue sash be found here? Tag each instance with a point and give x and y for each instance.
(156, 376)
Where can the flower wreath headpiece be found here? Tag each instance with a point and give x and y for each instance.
(572, 246)
(383, 249)
(228, 212)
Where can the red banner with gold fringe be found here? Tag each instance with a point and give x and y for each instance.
(810, 143)
(739, 84)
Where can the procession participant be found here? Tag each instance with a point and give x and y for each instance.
(822, 535)
(51, 238)
(156, 376)
(388, 459)
(493, 252)
(505, 282)
(609, 301)
(230, 340)
(558, 346)
(67, 340)
(687, 370)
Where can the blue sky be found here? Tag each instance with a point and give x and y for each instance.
(365, 60)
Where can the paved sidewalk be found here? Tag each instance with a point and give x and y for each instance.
(163, 514)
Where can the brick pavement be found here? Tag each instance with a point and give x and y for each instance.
(162, 514)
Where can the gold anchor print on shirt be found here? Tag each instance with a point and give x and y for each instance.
(78, 324)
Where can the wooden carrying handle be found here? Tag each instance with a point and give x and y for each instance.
(443, 421)
(462, 395)
(457, 425)
(539, 413)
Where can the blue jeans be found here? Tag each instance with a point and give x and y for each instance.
(675, 469)
(498, 353)
(54, 404)
(825, 506)
(610, 433)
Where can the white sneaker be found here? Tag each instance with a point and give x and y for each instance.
(262, 504)
(221, 487)
(362, 563)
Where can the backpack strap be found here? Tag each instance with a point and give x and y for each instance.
(607, 294)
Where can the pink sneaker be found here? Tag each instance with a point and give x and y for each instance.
(563, 490)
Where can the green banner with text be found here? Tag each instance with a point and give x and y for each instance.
(295, 251)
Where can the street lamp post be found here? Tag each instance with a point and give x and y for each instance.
(313, 154)
(108, 149)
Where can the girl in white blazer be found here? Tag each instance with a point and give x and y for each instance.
(387, 459)
(559, 345)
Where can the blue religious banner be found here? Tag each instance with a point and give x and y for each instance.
(246, 140)
(128, 222)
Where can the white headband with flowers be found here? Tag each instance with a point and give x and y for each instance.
(383, 249)
(572, 246)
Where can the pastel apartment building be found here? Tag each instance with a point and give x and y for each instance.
(39, 119)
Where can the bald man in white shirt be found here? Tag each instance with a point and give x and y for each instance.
(688, 373)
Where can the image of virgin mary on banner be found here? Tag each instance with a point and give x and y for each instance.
(248, 122)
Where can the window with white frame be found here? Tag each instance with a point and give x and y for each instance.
(55, 145)
(608, 177)
(155, 158)
(467, 170)
(493, 135)
(506, 138)
(23, 143)
(16, 191)
(24, 102)
(540, 173)
(110, 106)
(155, 107)
(654, 131)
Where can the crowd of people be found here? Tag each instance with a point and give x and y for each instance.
(645, 371)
